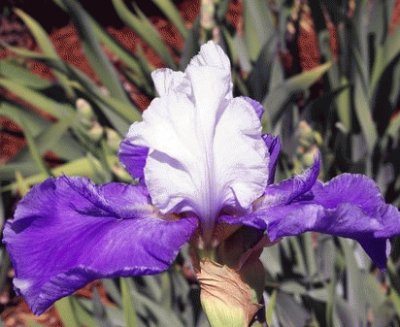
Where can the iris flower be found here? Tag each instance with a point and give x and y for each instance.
(201, 162)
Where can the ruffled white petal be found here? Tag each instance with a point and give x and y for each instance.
(206, 150)
(166, 80)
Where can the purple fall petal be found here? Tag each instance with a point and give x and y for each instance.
(290, 189)
(68, 232)
(348, 206)
(133, 158)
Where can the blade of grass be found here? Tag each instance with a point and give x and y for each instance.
(37, 99)
(123, 54)
(128, 305)
(271, 307)
(99, 312)
(356, 296)
(86, 166)
(33, 149)
(110, 106)
(191, 44)
(54, 133)
(67, 148)
(144, 29)
(275, 100)
(16, 72)
(173, 15)
(67, 313)
(96, 56)
(42, 39)
(258, 26)
(364, 114)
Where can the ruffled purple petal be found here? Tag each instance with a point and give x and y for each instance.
(348, 206)
(67, 232)
(291, 189)
(133, 158)
(274, 148)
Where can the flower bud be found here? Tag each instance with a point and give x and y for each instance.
(225, 297)
(95, 133)
(85, 112)
(113, 139)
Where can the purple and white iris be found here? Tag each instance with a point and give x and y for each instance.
(199, 154)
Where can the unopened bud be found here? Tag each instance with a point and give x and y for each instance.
(85, 112)
(226, 298)
(113, 139)
(95, 133)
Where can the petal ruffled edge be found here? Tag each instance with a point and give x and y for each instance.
(348, 206)
(67, 232)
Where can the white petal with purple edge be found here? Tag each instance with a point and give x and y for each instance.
(206, 148)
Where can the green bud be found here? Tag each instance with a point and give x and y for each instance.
(113, 139)
(85, 113)
(95, 133)
(207, 14)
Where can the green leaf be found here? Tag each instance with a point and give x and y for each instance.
(54, 133)
(7, 171)
(258, 26)
(67, 313)
(385, 55)
(82, 314)
(16, 72)
(123, 54)
(45, 44)
(37, 99)
(309, 255)
(127, 302)
(33, 149)
(275, 100)
(67, 148)
(271, 307)
(121, 115)
(344, 105)
(191, 44)
(169, 10)
(364, 114)
(355, 288)
(96, 56)
(142, 26)
(395, 298)
(258, 80)
(394, 126)
(99, 312)
(112, 291)
(14, 112)
(86, 166)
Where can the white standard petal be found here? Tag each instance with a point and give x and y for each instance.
(166, 80)
(206, 151)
